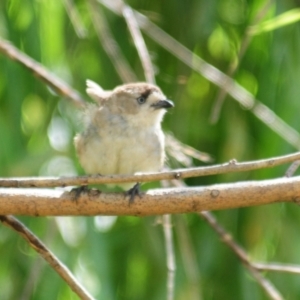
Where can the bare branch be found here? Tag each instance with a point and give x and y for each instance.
(170, 254)
(230, 167)
(38, 266)
(41, 72)
(277, 267)
(38, 202)
(171, 265)
(109, 44)
(183, 153)
(48, 256)
(139, 42)
(241, 253)
(292, 168)
(75, 18)
(189, 259)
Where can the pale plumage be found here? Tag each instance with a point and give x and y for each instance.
(122, 132)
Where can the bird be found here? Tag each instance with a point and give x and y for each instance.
(122, 131)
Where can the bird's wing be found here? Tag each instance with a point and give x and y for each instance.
(96, 92)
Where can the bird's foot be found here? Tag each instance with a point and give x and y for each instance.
(76, 192)
(133, 192)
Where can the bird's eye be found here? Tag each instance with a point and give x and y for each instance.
(141, 100)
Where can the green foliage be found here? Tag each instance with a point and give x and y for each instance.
(124, 258)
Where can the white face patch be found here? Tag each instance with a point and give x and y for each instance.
(155, 96)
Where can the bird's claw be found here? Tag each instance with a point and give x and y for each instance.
(76, 192)
(133, 192)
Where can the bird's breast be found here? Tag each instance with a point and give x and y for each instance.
(139, 151)
(121, 150)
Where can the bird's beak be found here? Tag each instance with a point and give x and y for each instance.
(163, 104)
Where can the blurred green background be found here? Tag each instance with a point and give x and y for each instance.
(124, 258)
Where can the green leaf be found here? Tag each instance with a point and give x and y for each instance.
(286, 18)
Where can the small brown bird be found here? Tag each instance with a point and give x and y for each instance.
(122, 133)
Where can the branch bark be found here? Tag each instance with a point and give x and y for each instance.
(45, 202)
(231, 166)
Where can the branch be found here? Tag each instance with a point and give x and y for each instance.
(139, 42)
(183, 153)
(75, 18)
(242, 255)
(48, 256)
(41, 72)
(230, 167)
(171, 264)
(189, 258)
(277, 267)
(109, 44)
(153, 202)
(292, 168)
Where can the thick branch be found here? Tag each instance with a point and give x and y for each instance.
(154, 202)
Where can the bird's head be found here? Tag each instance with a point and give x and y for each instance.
(139, 102)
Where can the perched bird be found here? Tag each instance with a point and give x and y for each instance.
(122, 132)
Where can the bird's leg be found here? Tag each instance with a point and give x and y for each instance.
(78, 191)
(133, 192)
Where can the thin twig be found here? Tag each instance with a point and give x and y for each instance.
(214, 75)
(53, 261)
(60, 87)
(292, 168)
(170, 252)
(183, 153)
(230, 167)
(139, 42)
(171, 265)
(277, 267)
(109, 44)
(33, 279)
(75, 18)
(268, 287)
(234, 65)
(37, 268)
(189, 259)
